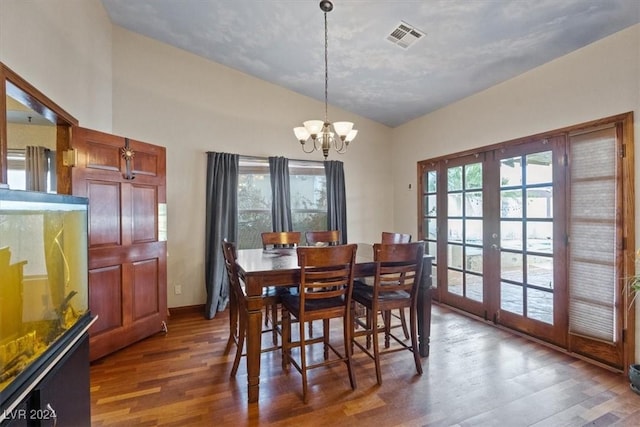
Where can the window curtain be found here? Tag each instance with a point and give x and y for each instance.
(281, 194)
(36, 168)
(336, 198)
(221, 223)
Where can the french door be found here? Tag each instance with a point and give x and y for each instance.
(531, 235)
(528, 239)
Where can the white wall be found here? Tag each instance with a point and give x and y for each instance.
(600, 80)
(190, 105)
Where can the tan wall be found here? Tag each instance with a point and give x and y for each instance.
(63, 48)
(169, 97)
(599, 80)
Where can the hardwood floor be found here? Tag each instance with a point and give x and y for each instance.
(476, 375)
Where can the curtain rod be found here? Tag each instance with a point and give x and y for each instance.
(267, 158)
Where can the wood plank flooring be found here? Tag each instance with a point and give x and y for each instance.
(476, 375)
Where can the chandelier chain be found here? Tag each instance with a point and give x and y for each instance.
(326, 70)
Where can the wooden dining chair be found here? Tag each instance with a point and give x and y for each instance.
(396, 282)
(274, 240)
(280, 239)
(322, 238)
(238, 314)
(324, 293)
(387, 238)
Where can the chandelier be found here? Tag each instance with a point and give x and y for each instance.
(322, 135)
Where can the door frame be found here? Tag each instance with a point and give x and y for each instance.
(627, 264)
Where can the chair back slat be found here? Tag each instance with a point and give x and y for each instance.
(318, 238)
(398, 267)
(388, 237)
(326, 272)
(280, 239)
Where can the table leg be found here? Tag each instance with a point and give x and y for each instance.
(254, 344)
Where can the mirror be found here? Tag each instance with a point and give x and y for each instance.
(31, 138)
(28, 118)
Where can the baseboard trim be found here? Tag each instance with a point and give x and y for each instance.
(186, 309)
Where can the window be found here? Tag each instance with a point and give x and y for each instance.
(254, 201)
(16, 177)
(16, 170)
(308, 198)
(308, 195)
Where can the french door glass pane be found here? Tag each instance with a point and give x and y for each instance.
(540, 305)
(454, 179)
(511, 235)
(473, 203)
(473, 231)
(540, 237)
(540, 271)
(432, 228)
(473, 176)
(511, 203)
(511, 298)
(455, 204)
(430, 206)
(474, 260)
(455, 256)
(474, 287)
(454, 231)
(511, 266)
(454, 281)
(539, 168)
(510, 172)
(431, 184)
(540, 202)
(432, 248)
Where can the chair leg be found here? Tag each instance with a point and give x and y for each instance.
(413, 317)
(387, 328)
(347, 331)
(403, 322)
(310, 329)
(376, 345)
(242, 331)
(286, 338)
(325, 338)
(274, 324)
(370, 321)
(303, 364)
(233, 323)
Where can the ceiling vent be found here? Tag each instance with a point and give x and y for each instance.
(405, 35)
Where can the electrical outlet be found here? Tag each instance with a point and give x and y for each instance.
(178, 289)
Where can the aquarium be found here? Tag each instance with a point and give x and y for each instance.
(43, 277)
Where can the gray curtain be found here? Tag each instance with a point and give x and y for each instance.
(36, 168)
(336, 198)
(280, 194)
(221, 223)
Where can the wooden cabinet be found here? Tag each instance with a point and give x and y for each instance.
(61, 396)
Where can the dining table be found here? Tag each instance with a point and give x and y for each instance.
(260, 268)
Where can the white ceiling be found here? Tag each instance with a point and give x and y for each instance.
(469, 45)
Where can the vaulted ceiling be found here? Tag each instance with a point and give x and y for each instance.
(461, 46)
